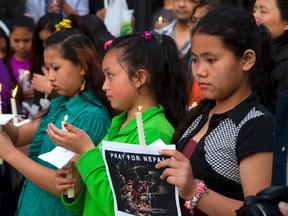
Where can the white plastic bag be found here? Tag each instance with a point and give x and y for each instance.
(118, 18)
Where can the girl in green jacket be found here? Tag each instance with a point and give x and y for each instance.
(141, 70)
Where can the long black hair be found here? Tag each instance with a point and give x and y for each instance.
(238, 31)
(161, 58)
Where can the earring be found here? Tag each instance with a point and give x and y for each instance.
(82, 86)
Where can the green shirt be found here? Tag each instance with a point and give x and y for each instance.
(96, 197)
(94, 120)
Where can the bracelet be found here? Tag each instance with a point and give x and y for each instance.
(200, 189)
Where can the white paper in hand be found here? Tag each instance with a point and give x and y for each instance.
(58, 157)
(5, 118)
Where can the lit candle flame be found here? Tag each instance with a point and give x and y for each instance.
(65, 118)
(15, 91)
(26, 72)
(160, 19)
(139, 108)
(194, 104)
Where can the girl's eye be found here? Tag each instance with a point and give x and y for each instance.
(44, 69)
(194, 60)
(211, 60)
(110, 75)
(56, 68)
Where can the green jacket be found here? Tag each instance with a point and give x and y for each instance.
(96, 197)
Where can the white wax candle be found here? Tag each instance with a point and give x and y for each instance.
(140, 128)
(13, 105)
(14, 110)
(26, 82)
(105, 4)
(70, 191)
(63, 122)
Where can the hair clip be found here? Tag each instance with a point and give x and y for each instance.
(107, 44)
(147, 35)
(157, 35)
(65, 24)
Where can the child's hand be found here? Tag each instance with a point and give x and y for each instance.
(63, 184)
(74, 139)
(283, 208)
(29, 94)
(41, 83)
(178, 172)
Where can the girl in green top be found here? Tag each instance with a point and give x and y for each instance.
(71, 65)
(140, 70)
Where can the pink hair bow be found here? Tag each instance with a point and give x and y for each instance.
(147, 35)
(107, 44)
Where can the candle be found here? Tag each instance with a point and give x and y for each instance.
(139, 122)
(25, 81)
(63, 122)
(13, 105)
(105, 4)
(194, 104)
(1, 160)
(70, 191)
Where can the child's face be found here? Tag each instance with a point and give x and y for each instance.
(21, 41)
(120, 90)
(215, 68)
(64, 76)
(3, 48)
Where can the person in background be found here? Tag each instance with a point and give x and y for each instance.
(10, 9)
(279, 171)
(224, 152)
(140, 71)
(162, 11)
(279, 175)
(97, 8)
(4, 45)
(74, 72)
(179, 30)
(274, 15)
(41, 84)
(100, 31)
(199, 11)
(18, 63)
(6, 87)
(9, 197)
(38, 8)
